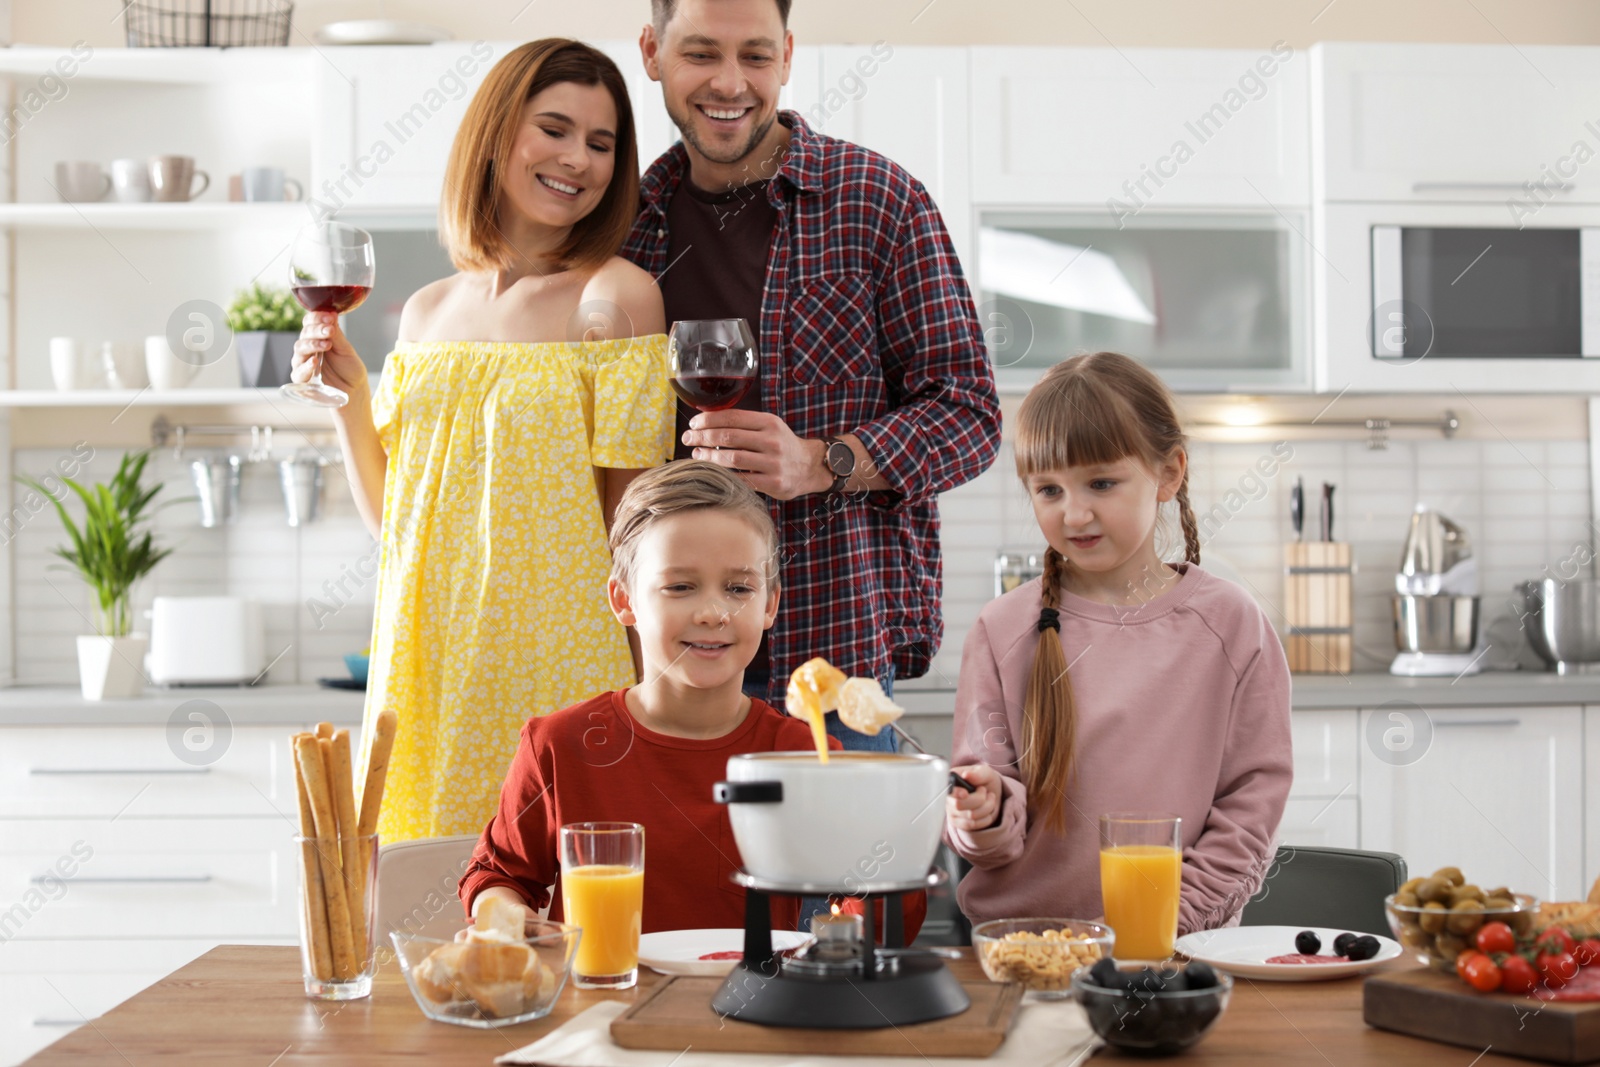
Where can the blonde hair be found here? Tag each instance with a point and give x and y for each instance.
(685, 485)
(1088, 410)
(481, 152)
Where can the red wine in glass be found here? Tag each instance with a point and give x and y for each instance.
(338, 298)
(713, 362)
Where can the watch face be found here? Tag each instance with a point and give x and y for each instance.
(841, 460)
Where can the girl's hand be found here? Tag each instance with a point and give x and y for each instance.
(342, 368)
(980, 809)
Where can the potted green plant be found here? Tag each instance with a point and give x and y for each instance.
(265, 323)
(110, 551)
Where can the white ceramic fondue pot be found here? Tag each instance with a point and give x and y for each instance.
(858, 823)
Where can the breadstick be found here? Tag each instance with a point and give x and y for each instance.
(324, 731)
(378, 752)
(316, 907)
(344, 810)
(308, 752)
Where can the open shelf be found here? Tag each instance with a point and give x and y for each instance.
(194, 215)
(143, 398)
(180, 66)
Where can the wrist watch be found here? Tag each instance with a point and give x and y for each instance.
(840, 459)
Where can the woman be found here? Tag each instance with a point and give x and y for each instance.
(523, 395)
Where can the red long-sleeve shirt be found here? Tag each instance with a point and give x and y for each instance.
(594, 762)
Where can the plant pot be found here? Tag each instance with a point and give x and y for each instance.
(112, 668)
(265, 357)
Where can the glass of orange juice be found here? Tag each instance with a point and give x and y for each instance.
(1141, 876)
(602, 890)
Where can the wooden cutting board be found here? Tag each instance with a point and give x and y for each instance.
(1440, 1007)
(678, 1014)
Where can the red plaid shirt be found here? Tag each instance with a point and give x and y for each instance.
(867, 327)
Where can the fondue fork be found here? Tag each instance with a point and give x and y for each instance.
(956, 781)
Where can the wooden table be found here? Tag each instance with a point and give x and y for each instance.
(244, 1004)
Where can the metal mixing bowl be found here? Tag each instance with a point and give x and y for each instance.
(1562, 621)
(1435, 623)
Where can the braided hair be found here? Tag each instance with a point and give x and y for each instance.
(1087, 410)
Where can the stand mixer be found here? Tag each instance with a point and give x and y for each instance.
(1436, 600)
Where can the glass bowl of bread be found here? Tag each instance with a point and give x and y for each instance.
(506, 968)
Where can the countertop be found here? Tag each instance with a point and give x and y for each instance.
(264, 705)
(1313, 692)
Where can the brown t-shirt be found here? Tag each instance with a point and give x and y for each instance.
(717, 246)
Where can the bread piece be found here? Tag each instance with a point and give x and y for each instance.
(865, 708)
(813, 689)
(1580, 919)
(494, 975)
(436, 976)
(499, 919)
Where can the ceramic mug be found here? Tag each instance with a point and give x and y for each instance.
(172, 178)
(123, 366)
(166, 371)
(130, 181)
(65, 369)
(268, 184)
(81, 183)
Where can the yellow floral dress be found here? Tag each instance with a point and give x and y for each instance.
(491, 605)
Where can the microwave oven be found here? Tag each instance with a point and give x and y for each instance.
(1476, 292)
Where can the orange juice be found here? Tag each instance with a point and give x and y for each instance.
(1140, 885)
(608, 902)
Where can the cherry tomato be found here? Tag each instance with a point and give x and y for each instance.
(1482, 974)
(1463, 960)
(1554, 941)
(1496, 937)
(1586, 951)
(1557, 968)
(1517, 975)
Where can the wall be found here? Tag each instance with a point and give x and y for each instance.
(1123, 23)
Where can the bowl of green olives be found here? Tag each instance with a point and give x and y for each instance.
(1437, 917)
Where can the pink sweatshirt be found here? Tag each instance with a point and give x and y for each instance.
(1183, 707)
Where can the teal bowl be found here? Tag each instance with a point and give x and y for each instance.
(357, 666)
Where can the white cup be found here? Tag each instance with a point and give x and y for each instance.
(65, 369)
(166, 371)
(130, 181)
(123, 365)
(267, 184)
(81, 183)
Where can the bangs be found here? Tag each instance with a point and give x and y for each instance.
(1076, 421)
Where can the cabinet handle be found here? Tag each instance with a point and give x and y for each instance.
(157, 879)
(1482, 187)
(45, 1020)
(1476, 722)
(117, 770)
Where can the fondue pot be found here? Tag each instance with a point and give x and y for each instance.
(862, 822)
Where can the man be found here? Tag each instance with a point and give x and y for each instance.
(874, 391)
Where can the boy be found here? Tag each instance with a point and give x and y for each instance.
(694, 571)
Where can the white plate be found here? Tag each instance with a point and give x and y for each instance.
(380, 31)
(679, 951)
(1243, 952)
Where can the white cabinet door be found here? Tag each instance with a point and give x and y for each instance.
(1334, 822)
(910, 104)
(1140, 127)
(1325, 762)
(1399, 122)
(1497, 792)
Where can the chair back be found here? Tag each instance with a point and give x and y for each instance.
(417, 884)
(1327, 887)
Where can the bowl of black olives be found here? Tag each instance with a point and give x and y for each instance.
(1156, 1011)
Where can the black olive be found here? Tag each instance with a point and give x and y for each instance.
(1363, 948)
(1199, 975)
(1341, 944)
(1145, 980)
(1105, 975)
(1172, 980)
(1307, 942)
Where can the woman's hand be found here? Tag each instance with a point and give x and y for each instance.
(979, 809)
(342, 368)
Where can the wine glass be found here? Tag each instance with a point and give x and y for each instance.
(713, 362)
(330, 269)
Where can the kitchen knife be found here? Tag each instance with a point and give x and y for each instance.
(1327, 511)
(1297, 509)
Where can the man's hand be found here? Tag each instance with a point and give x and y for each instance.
(762, 449)
(980, 809)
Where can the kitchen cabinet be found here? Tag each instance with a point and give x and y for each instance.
(1441, 122)
(1591, 796)
(910, 104)
(1498, 792)
(1122, 129)
(1323, 808)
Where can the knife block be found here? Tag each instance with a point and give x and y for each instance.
(1317, 596)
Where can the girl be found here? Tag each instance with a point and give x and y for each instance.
(1116, 682)
(523, 395)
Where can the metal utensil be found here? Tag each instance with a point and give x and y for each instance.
(1327, 511)
(216, 484)
(956, 781)
(1297, 509)
(1562, 621)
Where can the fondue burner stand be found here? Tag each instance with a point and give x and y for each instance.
(836, 984)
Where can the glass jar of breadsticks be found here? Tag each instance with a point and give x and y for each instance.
(338, 852)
